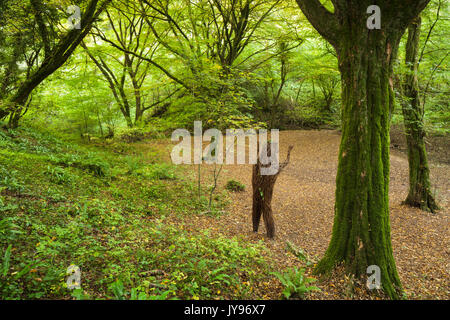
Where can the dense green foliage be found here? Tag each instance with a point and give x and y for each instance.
(107, 213)
(136, 68)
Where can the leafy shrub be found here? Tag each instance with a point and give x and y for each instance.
(132, 135)
(58, 175)
(133, 164)
(4, 207)
(295, 283)
(8, 229)
(162, 171)
(90, 163)
(96, 166)
(8, 179)
(5, 140)
(221, 102)
(138, 293)
(66, 159)
(299, 253)
(235, 186)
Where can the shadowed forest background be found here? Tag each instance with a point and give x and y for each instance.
(91, 91)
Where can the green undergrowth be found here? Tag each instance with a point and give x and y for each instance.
(109, 209)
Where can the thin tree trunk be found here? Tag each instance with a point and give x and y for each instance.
(100, 124)
(419, 194)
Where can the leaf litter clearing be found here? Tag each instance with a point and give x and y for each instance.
(303, 206)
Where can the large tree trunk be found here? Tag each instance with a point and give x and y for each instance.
(361, 230)
(419, 194)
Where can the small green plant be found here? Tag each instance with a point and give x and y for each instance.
(236, 186)
(162, 171)
(295, 283)
(78, 294)
(299, 253)
(54, 195)
(134, 165)
(8, 179)
(57, 175)
(120, 293)
(118, 290)
(95, 165)
(132, 135)
(5, 207)
(6, 260)
(8, 229)
(91, 162)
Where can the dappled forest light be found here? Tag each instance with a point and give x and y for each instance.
(224, 150)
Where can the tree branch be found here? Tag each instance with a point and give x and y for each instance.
(323, 21)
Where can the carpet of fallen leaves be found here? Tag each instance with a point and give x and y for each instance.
(303, 205)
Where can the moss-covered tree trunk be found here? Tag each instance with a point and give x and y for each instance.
(419, 194)
(361, 229)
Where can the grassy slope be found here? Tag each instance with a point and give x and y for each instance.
(106, 210)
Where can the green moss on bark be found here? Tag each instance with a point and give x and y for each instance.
(419, 194)
(361, 230)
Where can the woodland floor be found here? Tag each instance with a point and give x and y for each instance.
(303, 211)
